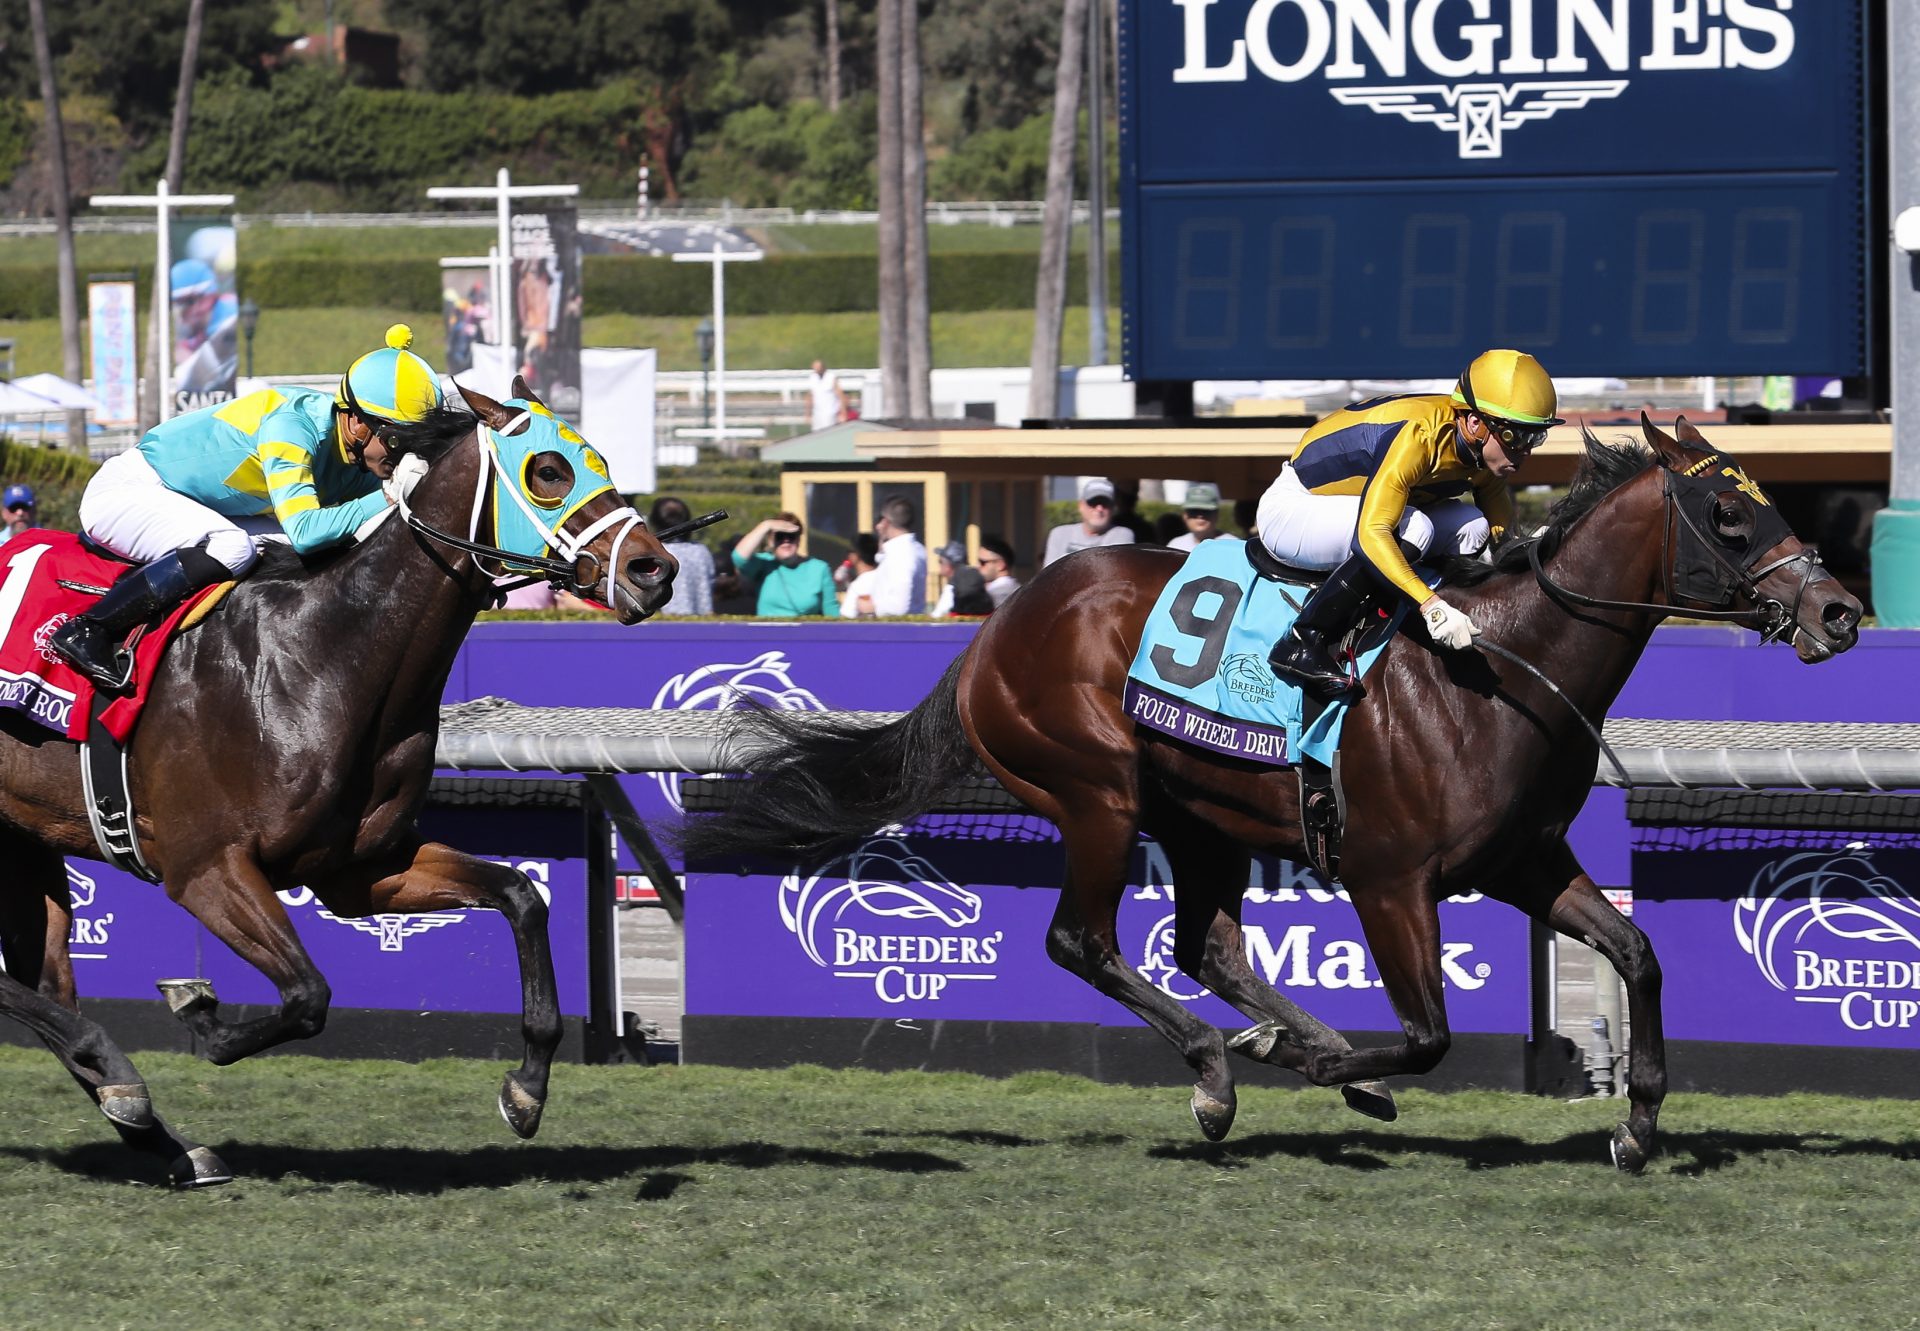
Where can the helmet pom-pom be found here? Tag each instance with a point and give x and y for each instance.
(399, 337)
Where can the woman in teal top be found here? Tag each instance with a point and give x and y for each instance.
(790, 584)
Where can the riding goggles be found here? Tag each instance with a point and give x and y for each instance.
(1520, 437)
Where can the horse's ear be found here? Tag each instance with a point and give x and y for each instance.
(524, 390)
(485, 407)
(1684, 431)
(1661, 442)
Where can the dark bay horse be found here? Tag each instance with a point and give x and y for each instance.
(1462, 772)
(289, 741)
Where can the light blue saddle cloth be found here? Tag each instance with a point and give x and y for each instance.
(1201, 673)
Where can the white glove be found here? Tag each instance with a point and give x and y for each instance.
(1447, 626)
(406, 474)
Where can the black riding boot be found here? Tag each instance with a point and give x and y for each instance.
(1305, 655)
(91, 643)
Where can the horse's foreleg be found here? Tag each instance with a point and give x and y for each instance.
(1083, 939)
(235, 901)
(1210, 874)
(1561, 894)
(1402, 927)
(428, 877)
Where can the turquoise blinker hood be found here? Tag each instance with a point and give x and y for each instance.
(524, 523)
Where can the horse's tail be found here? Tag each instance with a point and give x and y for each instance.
(822, 782)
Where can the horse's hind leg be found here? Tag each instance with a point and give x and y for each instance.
(428, 877)
(1083, 938)
(1210, 873)
(1560, 893)
(37, 991)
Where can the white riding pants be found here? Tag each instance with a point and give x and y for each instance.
(1316, 531)
(129, 509)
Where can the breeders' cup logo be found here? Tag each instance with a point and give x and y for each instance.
(44, 635)
(1832, 929)
(392, 931)
(843, 915)
(1467, 42)
(88, 931)
(1247, 674)
(766, 680)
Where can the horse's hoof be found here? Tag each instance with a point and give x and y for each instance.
(1371, 1098)
(1215, 1116)
(185, 997)
(126, 1106)
(520, 1108)
(199, 1168)
(1629, 1156)
(1256, 1042)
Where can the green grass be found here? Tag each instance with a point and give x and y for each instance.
(385, 1195)
(322, 341)
(102, 252)
(963, 236)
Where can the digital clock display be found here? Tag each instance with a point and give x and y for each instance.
(1277, 258)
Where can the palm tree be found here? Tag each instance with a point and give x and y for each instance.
(833, 54)
(69, 280)
(1056, 231)
(176, 170)
(913, 175)
(893, 249)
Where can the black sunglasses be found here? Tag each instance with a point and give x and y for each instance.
(19, 508)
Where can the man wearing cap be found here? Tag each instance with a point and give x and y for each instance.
(1202, 513)
(1096, 526)
(1376, 484)
(952, 557)
(22, 511)
(190, 500)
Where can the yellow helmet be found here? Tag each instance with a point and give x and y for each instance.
(391, 383)
(1510, 385)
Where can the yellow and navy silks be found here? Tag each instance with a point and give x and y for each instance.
(274, 451)
(513, 527)
(1396, 452)
(1201, 674)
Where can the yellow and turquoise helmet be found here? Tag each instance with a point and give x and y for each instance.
(1510, 385)
(391, 383)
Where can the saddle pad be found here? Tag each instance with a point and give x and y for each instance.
(34, 682)
(1201, 672)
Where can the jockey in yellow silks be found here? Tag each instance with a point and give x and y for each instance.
(1380, 483)
(192, 500)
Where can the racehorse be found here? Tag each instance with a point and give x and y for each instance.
(289, 741)
(1462, 771)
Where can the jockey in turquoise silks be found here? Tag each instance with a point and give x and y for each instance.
(192, 501)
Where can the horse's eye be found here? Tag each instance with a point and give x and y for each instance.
(1731, 523)
(551, 474)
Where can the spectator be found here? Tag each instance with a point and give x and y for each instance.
(863, 566)
(693, 585)
(828, 400)
(22, 511)
(1126, 498)
(1094, 528)
(901, 587)
(952, 557)
(1202, 513)
(789, 583)
(969, 593)
(996, 566)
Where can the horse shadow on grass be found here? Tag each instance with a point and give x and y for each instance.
(432, 1170)
(1688, 1154)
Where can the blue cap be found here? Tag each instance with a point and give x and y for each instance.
(191, 277)
(17, 495)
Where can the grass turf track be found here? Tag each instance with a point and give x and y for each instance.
(389, 1195)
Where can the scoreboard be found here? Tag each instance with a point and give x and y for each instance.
(1384, 188)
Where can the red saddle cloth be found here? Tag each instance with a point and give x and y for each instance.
(34, 601)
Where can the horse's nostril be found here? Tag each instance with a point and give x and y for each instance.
(1838, 617)
(645, 570)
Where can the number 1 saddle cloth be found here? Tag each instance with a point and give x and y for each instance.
(1201, 672)
(46, 578)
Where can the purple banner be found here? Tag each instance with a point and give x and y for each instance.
(1786, 946)
(127, 933)
(1232, 736)
(927, 927)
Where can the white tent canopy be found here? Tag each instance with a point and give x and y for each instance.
(63, 392)
(18, 401)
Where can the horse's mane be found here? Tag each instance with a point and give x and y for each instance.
(1605, 469)
(431, 435)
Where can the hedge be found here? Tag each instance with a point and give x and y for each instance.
(615, 284)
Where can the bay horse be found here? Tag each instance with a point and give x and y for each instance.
(289, 741)
(1462, 772)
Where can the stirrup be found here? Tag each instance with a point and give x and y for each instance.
(114, 678)
(1327, 682)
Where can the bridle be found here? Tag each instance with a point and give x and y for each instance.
(1772, 618)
